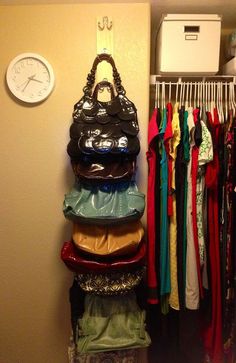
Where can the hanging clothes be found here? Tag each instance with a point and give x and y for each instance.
(205, 156)
(181, 163)
(164, 241)
(151, 158)
(213, 331)
(228, 298)
(174, 142)
(192, 253)
(192, 286)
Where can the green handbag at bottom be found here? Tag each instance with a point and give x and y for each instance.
(111, 323)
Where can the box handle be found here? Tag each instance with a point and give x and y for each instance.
(192, 29)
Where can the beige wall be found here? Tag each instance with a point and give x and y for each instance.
(35, 170)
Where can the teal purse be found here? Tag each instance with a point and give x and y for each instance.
(104, 203)
(111, 323)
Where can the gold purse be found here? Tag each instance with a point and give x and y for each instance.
(112, 240)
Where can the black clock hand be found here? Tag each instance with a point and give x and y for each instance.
(26, 84)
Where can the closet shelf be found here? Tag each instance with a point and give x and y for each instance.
(179, 79)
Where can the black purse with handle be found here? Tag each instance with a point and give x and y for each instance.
(103, 130)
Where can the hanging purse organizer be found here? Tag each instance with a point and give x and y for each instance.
(107, 250)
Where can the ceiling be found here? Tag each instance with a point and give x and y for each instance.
(226, 8)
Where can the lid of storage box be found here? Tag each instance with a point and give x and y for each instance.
(190, 17)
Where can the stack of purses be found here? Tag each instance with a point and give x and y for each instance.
(107, 250)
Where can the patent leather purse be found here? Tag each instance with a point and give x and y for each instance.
(121, 169)
(103, 128)
(79, 262)
(104, 203)
(115, 240)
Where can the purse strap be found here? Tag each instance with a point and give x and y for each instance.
(91, 76)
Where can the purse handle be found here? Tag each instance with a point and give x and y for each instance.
(100, 86)
(91, 76)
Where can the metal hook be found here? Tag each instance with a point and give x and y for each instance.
(106, 24)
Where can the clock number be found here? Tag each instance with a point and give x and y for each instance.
(17, 69)
(30, 62)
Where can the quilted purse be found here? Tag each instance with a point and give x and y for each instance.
(104, 204)
(103, 128)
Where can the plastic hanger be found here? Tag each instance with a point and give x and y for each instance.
(176, 92)
(190, 94)
(169, 99)
(156, 95)
(226, 102)
(195, 95)
(233, 98)
(221, 103)
(217, 100)
(181, 94)
(187, 95)
(163, 96)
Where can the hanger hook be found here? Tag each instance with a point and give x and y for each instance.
(105, 24)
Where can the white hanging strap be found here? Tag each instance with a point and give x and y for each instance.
(158, 94)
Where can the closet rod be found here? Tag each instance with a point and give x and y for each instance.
(158, 78)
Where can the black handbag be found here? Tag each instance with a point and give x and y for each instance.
(103, 129)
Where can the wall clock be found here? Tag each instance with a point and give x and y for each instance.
(30, 77)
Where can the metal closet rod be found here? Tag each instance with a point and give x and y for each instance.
(193, 79)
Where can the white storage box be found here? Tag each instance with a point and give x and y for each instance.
(188, 44)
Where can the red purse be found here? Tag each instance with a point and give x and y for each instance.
(79, 262)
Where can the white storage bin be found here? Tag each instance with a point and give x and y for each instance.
(188, 44)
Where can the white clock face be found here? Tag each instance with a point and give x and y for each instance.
(30, 77)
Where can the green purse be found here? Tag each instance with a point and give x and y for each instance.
(105, 203)
(111, 323)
